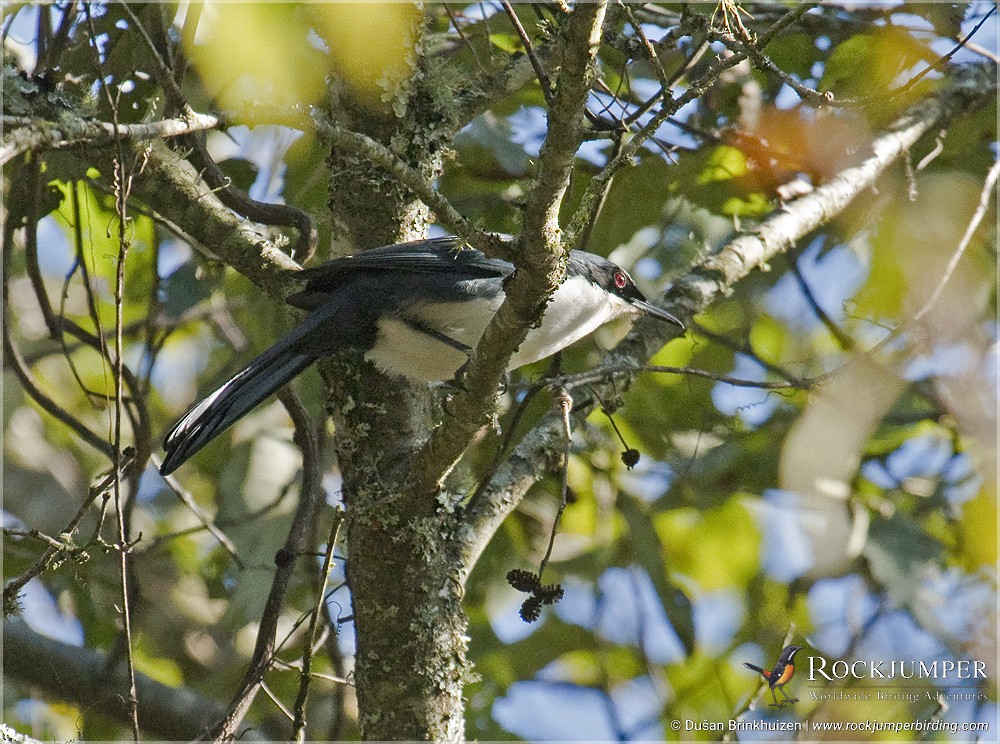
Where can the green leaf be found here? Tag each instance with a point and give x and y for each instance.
(507, 43)
(185, 288)
(724, 163)
(719, 547)
(978, 530)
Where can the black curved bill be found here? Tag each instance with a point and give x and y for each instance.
(658, 313)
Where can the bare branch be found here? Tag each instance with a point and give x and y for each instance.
(970, 230)
(206, 521)
(605, 372)
(263, 212)
(536, 64)
(226, 726)
(123, 180)
(299, 724)
(34, 135)
(748, 47)
(842, 337)
(65, 545)
(171, 187)
(16, 361)
(484, 92)
(592, 196)
(84, 677)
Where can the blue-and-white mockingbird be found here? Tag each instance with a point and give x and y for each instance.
(416, 310)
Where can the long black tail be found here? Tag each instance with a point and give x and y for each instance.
(324, 331)
(220, 410)
(755, 668)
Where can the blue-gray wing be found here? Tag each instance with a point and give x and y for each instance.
(399, 263)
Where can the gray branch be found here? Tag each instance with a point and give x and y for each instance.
(81, 676)
(383, 157)
(477, 98)
(33, 135)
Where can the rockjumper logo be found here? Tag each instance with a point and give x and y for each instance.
(895, 669)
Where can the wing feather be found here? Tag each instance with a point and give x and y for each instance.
(432, 256)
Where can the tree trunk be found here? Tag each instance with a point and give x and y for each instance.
(411, 632)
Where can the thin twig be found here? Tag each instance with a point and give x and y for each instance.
(564, 402)
(16, 363)
(511, 429)
(842, 337)
(746, 45)
(206, 521)
(297, 667)
(970, 230)
(88, 288)
(336, 656)
(600, 374)
(654, 58)
(463, 37)
(310, 499)
(939, 63)
(383, 157)
(588, 203)
(122, 189)
(57, 325)
(36, 135)
(188, 33)
(602, 199)
(277, 701)
(536, 65)
(261, 212)
(123, 179)
(264, 213)
(13, 588)
(687, 64)
(743, 347)
(299, 724)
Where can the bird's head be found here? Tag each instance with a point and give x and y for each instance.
(788, 653)
(614, 280)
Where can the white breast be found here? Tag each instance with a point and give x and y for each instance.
(404, 350)
(577, 308)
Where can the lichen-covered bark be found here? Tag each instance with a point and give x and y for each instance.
(410, 665)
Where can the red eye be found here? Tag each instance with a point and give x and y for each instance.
(620, 279)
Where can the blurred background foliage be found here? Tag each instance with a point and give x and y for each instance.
(857, 517)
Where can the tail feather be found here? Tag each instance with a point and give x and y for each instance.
(756, 669)
(233, 400)
(323, 332)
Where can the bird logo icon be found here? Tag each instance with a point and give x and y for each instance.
(779, 675)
